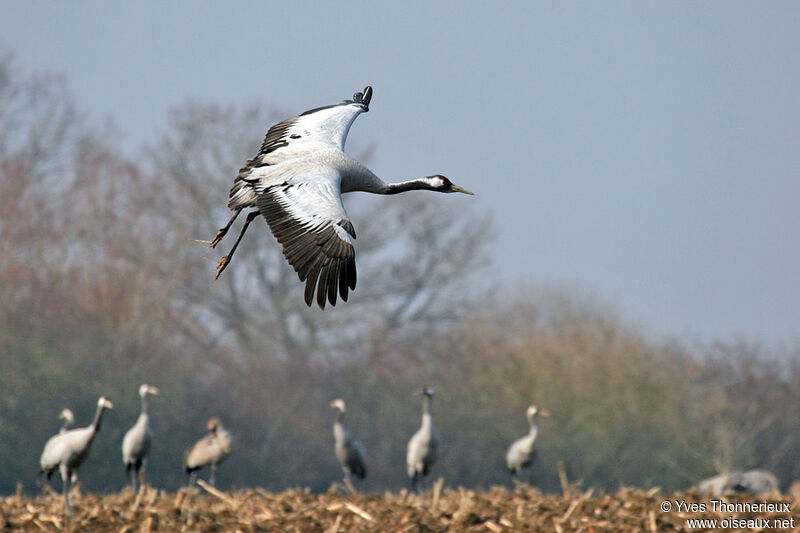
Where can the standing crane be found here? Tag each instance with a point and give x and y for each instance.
(296, 182)
(422, 448)
(210, 450)
(522, 452)
(68, 417)
(349, 451)
(137, 441)
(68, 450)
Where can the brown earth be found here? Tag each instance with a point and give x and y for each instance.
(495, 510)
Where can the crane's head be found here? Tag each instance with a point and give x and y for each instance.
(66, 415)
(440, 183)
(533, 411)
(147, 389)
(213, 424)
(339, 404)
(104, 403)
(426, 391)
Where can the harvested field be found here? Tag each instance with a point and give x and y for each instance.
(498, 509)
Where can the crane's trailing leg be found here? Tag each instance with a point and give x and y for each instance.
(227, 259)
(213, 477)
(43, 481)
(350, 485)
(66, 477)
(222, 231)
(133, 471)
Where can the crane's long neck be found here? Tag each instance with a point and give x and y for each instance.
(338, 425)
(357, 177)
(98, 417)
(144, 404)
(426, 412)
(534, 429)
(338, 431)
(419, 184)
(426, 405)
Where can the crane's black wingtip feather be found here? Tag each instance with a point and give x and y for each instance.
(311, 284)
(364, 98)
(333, 279)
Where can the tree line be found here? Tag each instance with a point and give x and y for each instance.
(103, 287)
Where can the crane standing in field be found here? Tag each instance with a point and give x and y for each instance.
(349, 451)
(68, 450)
(137, 441)
(522, 452)
(210, 450)
(296, 182)
(68, 418)
(423, 446)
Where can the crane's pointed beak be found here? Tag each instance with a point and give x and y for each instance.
(153, 390)
(456, 188)
(544, 412)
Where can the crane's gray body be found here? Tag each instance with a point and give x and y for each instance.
(50, 455)
(139, 438)
(68, 450)
(423, 446)
(349, 452)
(211, 450)
(751, 482)
(522, 451)
(137, 442)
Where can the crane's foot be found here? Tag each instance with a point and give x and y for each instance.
(222, 264)
(351, 488)
(218, 237)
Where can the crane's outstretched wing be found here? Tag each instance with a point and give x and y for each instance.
(308, 218)
(328, 125)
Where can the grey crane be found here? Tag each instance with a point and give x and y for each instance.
(423, 445)
(349, 451)
(755, 482)
(296, 182)
(211, 450)
(68, 450)
(522, 451)
(137, 441)
(68, 417)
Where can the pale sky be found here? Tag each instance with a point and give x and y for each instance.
(647, 152)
